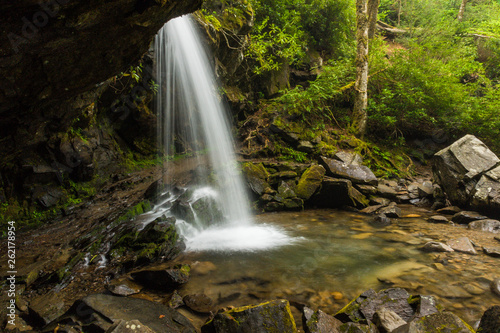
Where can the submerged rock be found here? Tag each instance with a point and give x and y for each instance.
(495, 286)
(268, 317)
(463, 245)
(199, 302)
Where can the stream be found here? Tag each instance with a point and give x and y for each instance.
(335, 255)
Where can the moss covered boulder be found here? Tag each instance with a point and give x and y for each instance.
(310, 181)
(256, 176)
(436, 323)
(274, 316)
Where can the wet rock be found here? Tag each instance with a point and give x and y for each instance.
(256, 176)
(273, 316)
(438, 219)
(425, 189)
(175, 300)
(366, 189)
(153, 190)
(165, 279)
(495, 286)
(337, 193)
(436, 323)
(381, 220)
(425, 305)
(320, 322)
(438, 194)
(490, 321)
(492, 252)
(486, 225)
(124, 287)
(100, 312)
(310, 181)
(207, 209)
(387, 320)
(387, 191)
(450, 210)
(285, 191)
(293, 204)
(131, 326)
(203, 267)
(463, 245)
(349, 158)
(371, 209)
(380, 201)
(274, 206)
(358, 328)
(465, 217)
(436, 247)
(47, 196)
(358, 174)
(391, 211)
(19, 325)
(457, 166)
(199, 302)
(363, 308)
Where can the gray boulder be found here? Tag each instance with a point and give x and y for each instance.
(490, 321)
(99, 313)
(457, 168)
(466, 217)
(486, 194)
(436, 323)
(358, 174)
(336, 192)
(487, 225)
(273, 316)
(463, 245)
(436, 247)
(320, 322)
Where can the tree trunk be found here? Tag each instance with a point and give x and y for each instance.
(372, 17)
(359, 113)
(461, 11)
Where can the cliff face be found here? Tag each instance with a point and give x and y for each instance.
(57, 122)
(54, 49)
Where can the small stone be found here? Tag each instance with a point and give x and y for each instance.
(371, 209)
(337, 295)
(462, 244)
(450, 210)
(438, 219)
(175, 300)
(466, 217)
(199, 302)
(436, 247)
(380, 221)
(492, 252)
(391, 211)
(124, 287)
(474, 289)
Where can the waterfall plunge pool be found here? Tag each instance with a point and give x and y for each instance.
(332, 256)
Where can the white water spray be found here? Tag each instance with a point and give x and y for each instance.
(193, 121)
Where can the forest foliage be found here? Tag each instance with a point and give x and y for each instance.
(441, 73)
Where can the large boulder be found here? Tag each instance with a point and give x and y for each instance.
(273, 316)
(358, 174)
(463, 171)
(256, 176)
(99, 313)
(490, 321)
(436, 323)
(310, 181)
(337, 193)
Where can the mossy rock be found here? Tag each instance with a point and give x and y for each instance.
(269, 317)
(310, 181)
(257, 177)
(437, 323)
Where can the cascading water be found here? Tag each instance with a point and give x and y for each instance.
(192, 121)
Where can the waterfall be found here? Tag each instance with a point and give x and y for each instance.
(193, 123)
